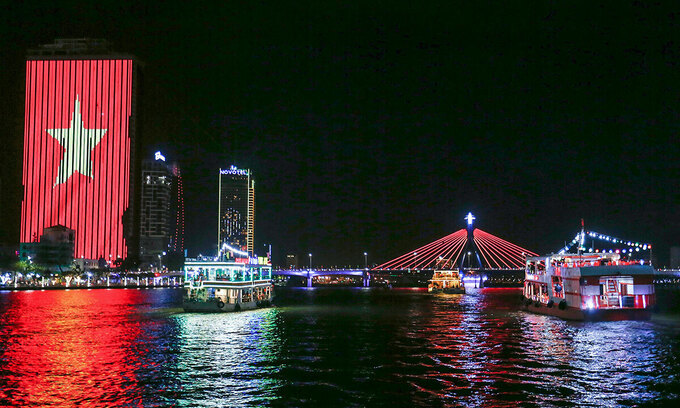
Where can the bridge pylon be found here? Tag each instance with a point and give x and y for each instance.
(469, 248)
(470, 255)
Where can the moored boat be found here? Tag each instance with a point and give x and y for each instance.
(591, 286)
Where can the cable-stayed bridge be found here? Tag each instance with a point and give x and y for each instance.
(466, 249)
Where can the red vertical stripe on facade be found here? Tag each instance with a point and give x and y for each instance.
(92, 203)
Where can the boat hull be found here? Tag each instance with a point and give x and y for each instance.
(572, 313)
(449, 291)
(214, 307)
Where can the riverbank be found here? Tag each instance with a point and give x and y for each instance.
(75, 287)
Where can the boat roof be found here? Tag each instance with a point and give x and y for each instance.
(617, 270)
(577, 257)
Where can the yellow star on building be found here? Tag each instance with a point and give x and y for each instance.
(78, 143)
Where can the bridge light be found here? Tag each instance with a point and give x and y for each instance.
(470, 218)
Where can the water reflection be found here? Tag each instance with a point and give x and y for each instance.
(222, 359)
(331, 347)
(74, 347)
(477, 350)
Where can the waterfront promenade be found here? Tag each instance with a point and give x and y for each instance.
(140, 280)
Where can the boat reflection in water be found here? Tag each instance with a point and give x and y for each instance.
(326, 347)
(228, 359)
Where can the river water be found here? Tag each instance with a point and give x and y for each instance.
(326, 347)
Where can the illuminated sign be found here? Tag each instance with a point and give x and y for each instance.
(159, 156)
(263, 260)
(234, 170)
(77, 152)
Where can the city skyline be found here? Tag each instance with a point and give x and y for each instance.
(377, 130)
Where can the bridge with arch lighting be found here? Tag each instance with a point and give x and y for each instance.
(466, 249)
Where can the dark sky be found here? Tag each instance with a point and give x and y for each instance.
(378, 127)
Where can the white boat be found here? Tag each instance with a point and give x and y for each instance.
(591, 286)
(227, 286)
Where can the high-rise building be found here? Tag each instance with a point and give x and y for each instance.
(236, 224)
(177, 211)
(79, 146)
(155, 212)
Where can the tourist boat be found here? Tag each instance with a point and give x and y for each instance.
(227, 286)
(445, 281)
(591, 286)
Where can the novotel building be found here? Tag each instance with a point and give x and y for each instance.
(79, 145)
(236, 212)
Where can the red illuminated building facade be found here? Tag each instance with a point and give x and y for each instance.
(79, 144)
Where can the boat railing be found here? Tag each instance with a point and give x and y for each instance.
(599, 263)
(236, 278)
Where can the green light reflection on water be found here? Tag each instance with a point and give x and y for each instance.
(228, 359)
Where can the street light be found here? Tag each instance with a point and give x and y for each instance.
(310, 261)
(365, 260)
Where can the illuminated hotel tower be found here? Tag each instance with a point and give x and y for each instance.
(236, 210)
(155, 215)
(79, 145)
(162, 210)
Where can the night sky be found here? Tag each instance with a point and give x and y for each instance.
(378, 127)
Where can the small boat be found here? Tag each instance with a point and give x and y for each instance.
(446, 281)
(227, 286)
(590, 286)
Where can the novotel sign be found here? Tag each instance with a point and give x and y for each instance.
(234, 170)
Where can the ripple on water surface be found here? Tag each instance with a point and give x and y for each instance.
(349, 347)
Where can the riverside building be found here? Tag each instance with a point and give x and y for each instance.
(162, 210)
(79, 161)
(53, 252)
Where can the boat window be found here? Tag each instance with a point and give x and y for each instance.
(540, 267)
(625, 289)
(531, 267)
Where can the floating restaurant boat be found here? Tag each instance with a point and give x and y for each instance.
(446, 281)
(227, 286)
(591, 286)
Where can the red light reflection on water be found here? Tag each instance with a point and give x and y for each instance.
(480, 350)
(476, 350)
(69, 348)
